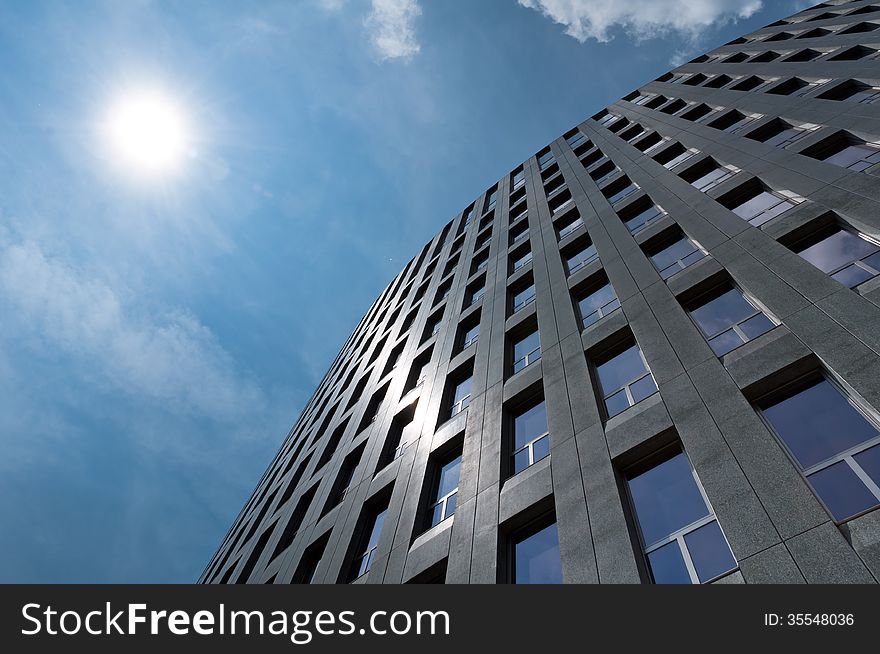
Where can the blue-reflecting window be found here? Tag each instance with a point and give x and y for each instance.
(581, 258)
(530, 438)
(682, 540)
(597, 304)
(848, 258)
(461, 397)
(762, 206)
(536, 558)
(470, 336)
(445, 491)
(856, 156)
(729, 320)
(625, 380)
(526, 351)
(365, 559)
(676, 256)
(833, 444)
(644, 218)
(523, 298)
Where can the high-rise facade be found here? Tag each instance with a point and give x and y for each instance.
(650, 353)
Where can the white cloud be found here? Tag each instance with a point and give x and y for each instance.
(391, 25)
(169, 358)
(642, 19)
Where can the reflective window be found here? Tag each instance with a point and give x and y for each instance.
(364, 561)
(848, 258)
(536, 558)
(625, 379)
(712, 178)
(834, 445)
(476, 295)
(676, 256)
(762, 206)
(625, 192)
(531, 438)
(523, 298)
(461, 397)
(522, 261)
(856, 156)
(470, 336)
(490, 200)
(581, 258)
(644, 218)
(545, 160)
(681, 537)
(526, 351)
(445, 491)
(729, 320)
(597, 304)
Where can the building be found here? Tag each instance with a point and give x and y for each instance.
(649, 353)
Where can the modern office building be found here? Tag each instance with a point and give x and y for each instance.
(649, 353)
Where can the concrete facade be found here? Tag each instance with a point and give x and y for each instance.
(777, 528)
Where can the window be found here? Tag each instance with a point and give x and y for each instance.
(433, 326)
(536, 557)
(521, 299)
(676, 256)
(707, 175)
(625, 379)
(682, 540)
(369, 542)
(727, 320)
(480, 262)
(490, 200)
(531, 438)
(461, 397)
(475, 293)
(520, 232)
(779, 133)
(403, 431)
(847, 257)
(585, 254)
(345, 480)
(833, 444)
(752, 83)
(758, 205)
(675, 155)
(545, 159)
(522, 260)
(597, 304)
(853, 91)
(418, 373)
(619, 189)
(569, 223)
(518, 179)
(469, 334)
(574, 139)
(526, 351)
(311, 559)
(445, 491)
(639, 216)
(847, 152)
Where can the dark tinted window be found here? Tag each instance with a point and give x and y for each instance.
(536, 558)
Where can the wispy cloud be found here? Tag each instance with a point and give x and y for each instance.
(169, 356)
(641, 19)
(391, 25)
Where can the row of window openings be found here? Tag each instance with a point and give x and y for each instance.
(834, 444)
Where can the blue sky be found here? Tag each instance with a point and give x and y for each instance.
(159, 335)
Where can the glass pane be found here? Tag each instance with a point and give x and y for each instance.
(818, 423)
(709, 551)
(873, 261)
(537, 558)
(842, 491)
(541, 448)
(721, 312)
(448, 478)
(377, 529)
(850, 155)
(462, 391)
(472, 333)
(595, 300)
(667, 565)
(450, 504)
(621, 369)
(751, 208)
(616, 403)
(869, 460)
(529, 425)
(643, 388)
(436, 514)
(852, 276)
(523, 296)
(757, 325)
(725, 342)
(666, 498)
(526, 345)
(836, 250)
(673, 253)
(521, 460)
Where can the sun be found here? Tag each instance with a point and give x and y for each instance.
(147, 132)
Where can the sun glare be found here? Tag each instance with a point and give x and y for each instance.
(147, 133)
